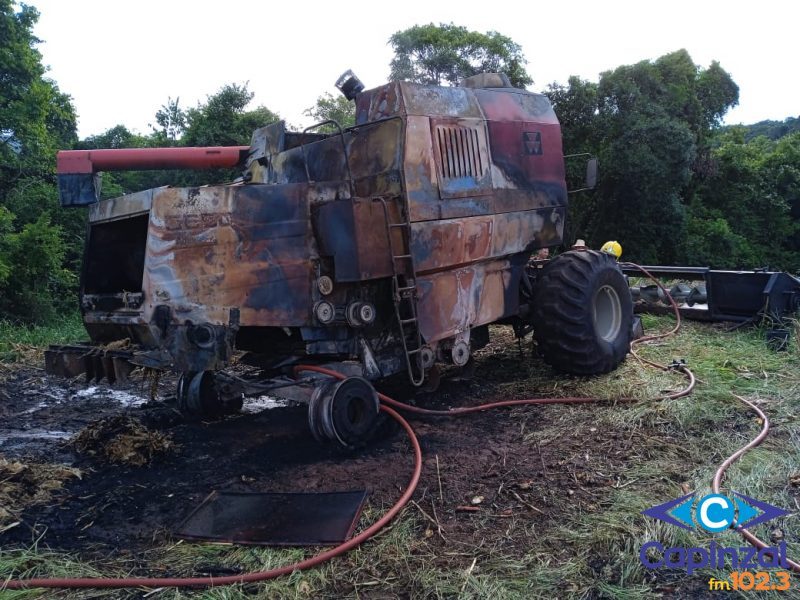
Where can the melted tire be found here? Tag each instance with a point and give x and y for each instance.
(344, 412)
(563, 313)
(199, 398)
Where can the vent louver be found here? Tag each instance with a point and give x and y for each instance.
(459, 152)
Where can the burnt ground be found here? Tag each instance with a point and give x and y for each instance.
(489, 461)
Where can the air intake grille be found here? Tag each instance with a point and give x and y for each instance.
(459, 152)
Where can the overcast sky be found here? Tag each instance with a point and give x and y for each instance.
(121, 60)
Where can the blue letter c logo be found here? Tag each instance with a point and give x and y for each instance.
(715, 512)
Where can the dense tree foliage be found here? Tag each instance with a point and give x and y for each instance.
(224, 119)
(171, 122)
(448, 53)
(770, 129)
(40, 246)
(746, 211)
(651, 125)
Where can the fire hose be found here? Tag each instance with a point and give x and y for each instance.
(717, 481)
(720, 473)
(390, 407)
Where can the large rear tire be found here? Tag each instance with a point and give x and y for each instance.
(582, 313)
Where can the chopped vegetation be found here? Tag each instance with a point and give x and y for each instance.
(122, 440)
(24, 484)
(25, 344)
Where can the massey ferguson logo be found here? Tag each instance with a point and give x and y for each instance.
(532, 141)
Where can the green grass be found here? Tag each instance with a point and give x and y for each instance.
(19, 342)
(666, 446)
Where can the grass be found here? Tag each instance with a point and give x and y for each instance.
(660, 449)
(24, 343)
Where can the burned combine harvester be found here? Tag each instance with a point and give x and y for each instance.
(383, 248)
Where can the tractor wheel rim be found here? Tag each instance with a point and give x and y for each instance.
(607, 313)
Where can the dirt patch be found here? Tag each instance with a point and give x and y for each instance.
(23, 485)
(122, 440)
(519, 473)
(523, 485)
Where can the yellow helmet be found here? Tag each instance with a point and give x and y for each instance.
(612, 248)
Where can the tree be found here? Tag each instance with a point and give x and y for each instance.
(576, 107)
(746, 213)
(35, 116)
(772, 129)
(37, 283)
(448, 53)
(171, 120)
(651, 124)
(38, 241)
(338, 109)
(223, 120)
(6, 229)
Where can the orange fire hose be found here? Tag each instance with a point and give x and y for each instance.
(717, 481)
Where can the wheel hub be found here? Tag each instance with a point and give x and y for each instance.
(344, 412)
(607, 313)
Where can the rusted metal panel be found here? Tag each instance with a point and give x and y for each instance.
(453, 301)
(515, 105)
(537, 157)
(249, 247)
(525, 141)
(373, 159)
(446, 243)
(435, 101)
(404, 98)
(419, 169)
(379, 103)
(122, 207)
(524, 151)
(353, 232)
(371, 242)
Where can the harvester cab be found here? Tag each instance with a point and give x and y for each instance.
(383, 248)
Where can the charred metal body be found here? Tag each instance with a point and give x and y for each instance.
(390, 245)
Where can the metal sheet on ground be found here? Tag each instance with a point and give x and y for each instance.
(275, 519)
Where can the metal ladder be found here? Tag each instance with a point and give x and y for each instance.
(404, 294)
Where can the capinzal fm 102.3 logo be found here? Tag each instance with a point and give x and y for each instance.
(713, 513)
